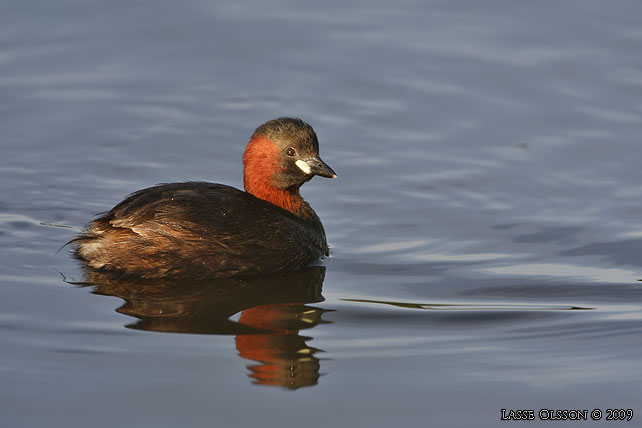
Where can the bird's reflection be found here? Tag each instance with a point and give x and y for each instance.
(273, 310)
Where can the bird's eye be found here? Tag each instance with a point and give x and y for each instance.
(290, 151)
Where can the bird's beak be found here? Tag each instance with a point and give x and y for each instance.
(316, 166)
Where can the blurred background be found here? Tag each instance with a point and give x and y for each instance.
(485, 228)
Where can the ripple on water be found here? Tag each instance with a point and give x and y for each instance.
(580, 274)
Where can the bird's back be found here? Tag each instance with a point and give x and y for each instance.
(199, 229)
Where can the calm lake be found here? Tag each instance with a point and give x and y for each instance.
(486, 226)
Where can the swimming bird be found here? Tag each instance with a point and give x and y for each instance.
(207, 230)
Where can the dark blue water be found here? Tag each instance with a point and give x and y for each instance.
(486, 228)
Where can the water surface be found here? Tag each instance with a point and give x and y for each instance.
(485, 229)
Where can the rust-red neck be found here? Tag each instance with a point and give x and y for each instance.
(261, 162)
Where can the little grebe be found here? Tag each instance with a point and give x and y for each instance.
(207, 230)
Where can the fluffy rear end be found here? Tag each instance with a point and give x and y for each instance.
(96, 245)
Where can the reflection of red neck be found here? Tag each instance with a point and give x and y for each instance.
(266, 347)
(261, 162)
(285, 359)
